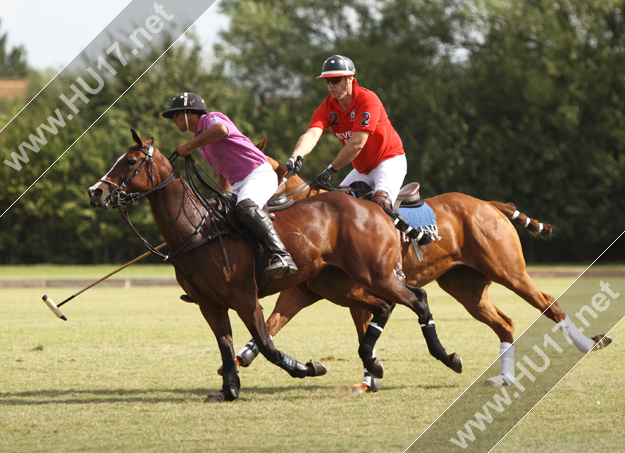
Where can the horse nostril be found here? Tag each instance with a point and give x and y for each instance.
(95, 194)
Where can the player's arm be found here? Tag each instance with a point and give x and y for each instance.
(210, 135)
(308, 141)
(351, 149)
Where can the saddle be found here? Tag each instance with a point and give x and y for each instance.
(278, 200)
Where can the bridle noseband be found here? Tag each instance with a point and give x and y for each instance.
(120, 199)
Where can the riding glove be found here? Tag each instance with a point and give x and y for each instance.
(322, 178)
(294, 164)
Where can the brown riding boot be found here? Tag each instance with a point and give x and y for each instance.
(280, 264)
(382, 199)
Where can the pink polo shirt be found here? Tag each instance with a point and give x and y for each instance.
(234, 156)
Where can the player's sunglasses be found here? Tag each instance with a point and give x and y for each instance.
(333, 80)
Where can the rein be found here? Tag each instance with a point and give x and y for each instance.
(299, 191)
(121, 200)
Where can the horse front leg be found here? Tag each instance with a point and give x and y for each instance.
(219, 322)
(255, 323)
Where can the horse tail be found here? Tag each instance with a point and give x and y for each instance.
(533, 225)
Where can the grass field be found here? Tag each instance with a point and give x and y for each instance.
(130, 368)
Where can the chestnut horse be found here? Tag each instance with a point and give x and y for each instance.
(322, 234)
(479, 246)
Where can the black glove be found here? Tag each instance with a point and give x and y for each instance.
(294, 164)
(321, 180)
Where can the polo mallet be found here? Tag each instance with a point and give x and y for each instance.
(287, 176)
(55, 308)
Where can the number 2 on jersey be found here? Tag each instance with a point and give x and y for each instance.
(365, 121)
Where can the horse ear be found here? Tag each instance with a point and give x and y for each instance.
(136, 137)
(149, 141)
(261, 145)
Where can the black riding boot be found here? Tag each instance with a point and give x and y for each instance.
(257, 220)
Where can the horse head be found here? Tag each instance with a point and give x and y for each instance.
(135, 175)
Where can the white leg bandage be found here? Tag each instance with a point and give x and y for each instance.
(367, 379)
(506, 357)
(583, 343)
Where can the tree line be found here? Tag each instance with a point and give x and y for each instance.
(514, 101)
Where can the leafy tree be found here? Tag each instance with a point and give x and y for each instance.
(12, 62)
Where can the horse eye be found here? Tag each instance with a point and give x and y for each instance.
(131, 160)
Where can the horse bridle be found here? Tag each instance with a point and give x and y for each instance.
(119, 198)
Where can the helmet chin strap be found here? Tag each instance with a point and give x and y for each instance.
(186, 120)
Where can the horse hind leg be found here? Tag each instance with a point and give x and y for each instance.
(335, 285)
(255, 323)
(290, 302)
(428, 328)
(470, 288)
(525, 288)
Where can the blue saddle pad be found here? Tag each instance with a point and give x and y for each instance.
(422, 217)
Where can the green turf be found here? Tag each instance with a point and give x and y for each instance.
(130, 368)
(165, 270)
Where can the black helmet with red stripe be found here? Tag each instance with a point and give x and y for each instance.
(189, 102)
(337, 66)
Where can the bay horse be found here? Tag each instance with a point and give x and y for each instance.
(479, 246)
(325, 235)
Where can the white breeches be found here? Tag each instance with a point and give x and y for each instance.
(388, 176)
(258, 186)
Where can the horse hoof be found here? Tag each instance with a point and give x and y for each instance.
(246, 356)
(220, 370)
(495, 382)
(315, 369)
(217, 397)
(222, 396)
(360, 388)
(454, 362)
(188, 299)
(375, 368)
(601, 341)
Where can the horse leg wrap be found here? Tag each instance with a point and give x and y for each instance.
(290, 365)
(371, 381)
(434, 345)
(248, 353)
(366, 349)
(231, 382)
(570, 331)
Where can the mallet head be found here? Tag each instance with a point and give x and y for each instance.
(52, 306)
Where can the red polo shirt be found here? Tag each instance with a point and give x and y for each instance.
(365, 114)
